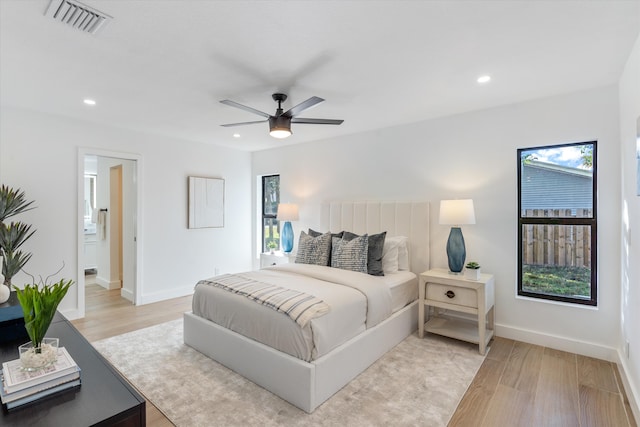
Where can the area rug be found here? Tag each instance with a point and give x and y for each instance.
(419, 382)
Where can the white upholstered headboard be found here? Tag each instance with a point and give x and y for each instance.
(409, 219)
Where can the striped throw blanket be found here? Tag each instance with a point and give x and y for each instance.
(299, 306)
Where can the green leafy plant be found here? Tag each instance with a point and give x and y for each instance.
(39, 304)
(472, 265)
(272, 245)
(14, 234)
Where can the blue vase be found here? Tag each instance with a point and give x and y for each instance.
(455, 250)
(286, 237)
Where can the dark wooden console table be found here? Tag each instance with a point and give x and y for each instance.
(104, 398)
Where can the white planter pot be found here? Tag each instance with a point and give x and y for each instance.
(472, 274)
(5, 292)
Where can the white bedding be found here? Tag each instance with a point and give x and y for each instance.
(357, 301)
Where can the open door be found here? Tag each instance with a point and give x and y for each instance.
(115, 251)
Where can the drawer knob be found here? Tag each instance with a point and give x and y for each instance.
(450, 294)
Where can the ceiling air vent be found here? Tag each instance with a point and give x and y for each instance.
(77, 15)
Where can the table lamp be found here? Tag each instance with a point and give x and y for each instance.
(456, 213)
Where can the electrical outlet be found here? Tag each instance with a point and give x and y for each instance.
(216, 271)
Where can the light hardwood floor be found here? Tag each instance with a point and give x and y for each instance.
(518, 384)
(108, 314)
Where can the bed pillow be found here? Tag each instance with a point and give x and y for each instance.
(403, 252)
(390, 259)
(395, 254)
(374, 255)
(314, 250)
(350, 254)
(314, 233)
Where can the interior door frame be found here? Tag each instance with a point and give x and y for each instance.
(138, 238)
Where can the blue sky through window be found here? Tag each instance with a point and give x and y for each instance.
(570, 156)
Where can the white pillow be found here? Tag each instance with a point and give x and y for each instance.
(403, 255)
(390, 259)
(395, 255)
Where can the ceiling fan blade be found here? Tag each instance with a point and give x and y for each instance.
(244, 107)
(294, 111)
(229, 125)
(316, 121)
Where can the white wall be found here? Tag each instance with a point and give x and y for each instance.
(474, 156)
(629, 89)
(39, 154)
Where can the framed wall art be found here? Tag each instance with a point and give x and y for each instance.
(206, 202)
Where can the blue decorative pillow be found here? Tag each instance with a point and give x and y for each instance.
(314, 250)
(374, 256)
(350, 254)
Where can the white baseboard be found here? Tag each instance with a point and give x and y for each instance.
(114, 284)
(126, 294)
(71, 314)
(629, 387)
(557, 342)
(161, 296)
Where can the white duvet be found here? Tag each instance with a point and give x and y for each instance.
(357, 301)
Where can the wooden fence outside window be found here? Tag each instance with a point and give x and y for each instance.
(559, 245)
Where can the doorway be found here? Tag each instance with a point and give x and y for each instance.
(107, 245)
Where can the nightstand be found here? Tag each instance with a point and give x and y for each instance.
(268, 259)
(455, 293)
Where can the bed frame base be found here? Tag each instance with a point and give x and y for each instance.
(305, 385)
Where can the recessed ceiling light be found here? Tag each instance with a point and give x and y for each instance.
(236, 135)
(484, 79)
(89, 101)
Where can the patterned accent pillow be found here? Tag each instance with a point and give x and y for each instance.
(374, 256)
(314, 250)
(314, 233)
(350, 254)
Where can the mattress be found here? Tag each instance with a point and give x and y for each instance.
(357, 301)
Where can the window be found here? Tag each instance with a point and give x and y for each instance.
(557, 222)
(270, 201)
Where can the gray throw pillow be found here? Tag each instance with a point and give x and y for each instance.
(374, 257)
(314, 233)
(350, 254)
(314, 250)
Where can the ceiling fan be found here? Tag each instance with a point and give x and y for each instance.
(280, 122)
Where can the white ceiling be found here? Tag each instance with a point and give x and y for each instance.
(162, 66)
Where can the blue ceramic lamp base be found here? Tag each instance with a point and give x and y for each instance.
(456, 251)
(286, 237)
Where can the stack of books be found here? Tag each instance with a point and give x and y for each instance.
(20, 387)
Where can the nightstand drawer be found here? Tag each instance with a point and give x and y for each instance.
(452, 295)
(268, 259)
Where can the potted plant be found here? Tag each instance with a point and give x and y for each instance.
(472, 270)
(14, 234)
(39, 303)
(272, 245)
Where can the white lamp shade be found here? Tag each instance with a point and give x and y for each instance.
(287, 212)
(457, 212)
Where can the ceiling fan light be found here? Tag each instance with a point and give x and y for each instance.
(280, 127)
(280, 133)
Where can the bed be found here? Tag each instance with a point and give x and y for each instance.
(305, 365)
